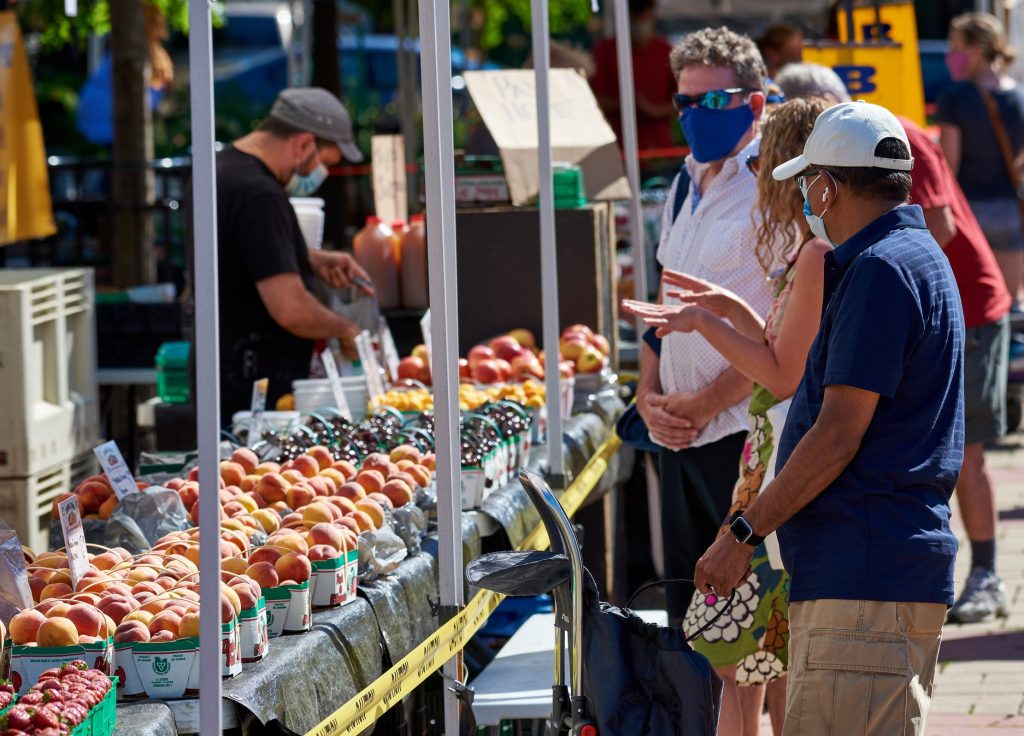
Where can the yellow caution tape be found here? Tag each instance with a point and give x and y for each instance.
(405, 676)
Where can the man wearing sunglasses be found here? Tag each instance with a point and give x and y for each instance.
(693, 403)
(872, 445)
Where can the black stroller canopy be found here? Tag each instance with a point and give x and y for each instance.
(524, 573)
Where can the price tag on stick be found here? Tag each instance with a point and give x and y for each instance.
(74, 538)
(257, 406)
(389, 350)
(116, 469)
(371, 367)
(331, 369)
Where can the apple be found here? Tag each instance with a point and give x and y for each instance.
(573, 346)
(566, 369)
(527, 366)
(411, 368)
(600, 342)
(591, 360)
(578, 330)
(506, 347)
(479, 353)
(464, 368)
(504, 368)
(524, 337)
(486, 370)
(421, 352)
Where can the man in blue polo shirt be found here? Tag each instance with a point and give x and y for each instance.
(871, 449)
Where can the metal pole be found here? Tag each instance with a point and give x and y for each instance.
(307, 43)
(439, 163)
(204, 219)
(548, 252)
(630, 146)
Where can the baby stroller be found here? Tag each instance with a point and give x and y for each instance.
(627, 677)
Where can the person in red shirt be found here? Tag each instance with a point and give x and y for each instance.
(986, 303)
(653, 83)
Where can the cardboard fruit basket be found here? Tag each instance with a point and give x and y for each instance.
(28, 662)
(334, 580)
(253, 636)
(289, 609)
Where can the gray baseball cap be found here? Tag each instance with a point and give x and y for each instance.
(317, 111)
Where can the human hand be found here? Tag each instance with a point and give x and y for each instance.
(340, 270)
(723, 567)
(667, 318)
(697, 292)
(347, 341)
(674, 433)
(694, 407)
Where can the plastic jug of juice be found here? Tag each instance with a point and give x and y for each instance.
(414, 265)
(376, 250)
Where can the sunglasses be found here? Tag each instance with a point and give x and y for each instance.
(804, 180)
(716, 99)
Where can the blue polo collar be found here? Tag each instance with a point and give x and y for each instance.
(898, 218)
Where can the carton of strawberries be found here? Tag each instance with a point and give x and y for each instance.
(65, 701)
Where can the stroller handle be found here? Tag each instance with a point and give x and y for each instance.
(559, 528)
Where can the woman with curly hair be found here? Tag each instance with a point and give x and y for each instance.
(748, 644)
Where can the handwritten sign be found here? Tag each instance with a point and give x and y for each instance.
(389, 188)
(389, 350)
(74, 538)
(116, 469)
(331, 369)
(371, 366)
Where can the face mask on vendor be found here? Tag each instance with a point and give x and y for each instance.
(308, 176)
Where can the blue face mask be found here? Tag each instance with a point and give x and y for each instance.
(713, 134)
(304, 186)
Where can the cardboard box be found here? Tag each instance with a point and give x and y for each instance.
(289, 609)
(171, 669)
(334, 581)
(507, 102)
(253, 637)
(28, 662)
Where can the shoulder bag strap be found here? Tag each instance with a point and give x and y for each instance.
(992, 108)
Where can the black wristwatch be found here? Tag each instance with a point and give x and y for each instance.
(742, 530)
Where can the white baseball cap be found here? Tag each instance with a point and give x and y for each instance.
(846, 135)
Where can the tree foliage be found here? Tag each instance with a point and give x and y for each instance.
(56, 30)
(564, 16)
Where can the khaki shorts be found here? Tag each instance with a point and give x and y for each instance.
(861, 667)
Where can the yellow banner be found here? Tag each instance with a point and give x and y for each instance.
(404, 677)
(882, 65)
(25, 209)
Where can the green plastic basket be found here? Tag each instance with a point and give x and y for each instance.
(172, 381)
(569, 191)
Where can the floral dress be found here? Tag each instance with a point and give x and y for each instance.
(754, 633)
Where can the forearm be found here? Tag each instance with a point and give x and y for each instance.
(650, 371)
(749, 354)
(312, 320)
(728, 389)
(816, 462)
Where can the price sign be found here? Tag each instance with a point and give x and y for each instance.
(257, 406)
(331, 369)
(425, 331)
(74, 538)
(371, 367)
(116, 469)
(389, 350)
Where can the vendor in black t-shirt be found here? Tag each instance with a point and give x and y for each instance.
(269, 316)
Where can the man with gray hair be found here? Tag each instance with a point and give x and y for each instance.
(692, 400)
(811, 80)
(269, 315)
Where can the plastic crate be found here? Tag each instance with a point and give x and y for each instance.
(25, 503)
(172, 372)
(47, 368)
(568, 186)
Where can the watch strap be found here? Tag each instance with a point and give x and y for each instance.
(743, 531)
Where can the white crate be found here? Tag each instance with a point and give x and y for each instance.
(26, 503)
(47, 368)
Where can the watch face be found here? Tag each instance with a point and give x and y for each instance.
(741, 529)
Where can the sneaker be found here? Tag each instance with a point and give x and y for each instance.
(983, 596)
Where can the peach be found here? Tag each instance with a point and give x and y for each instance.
(430, 462)
(349, 522)
(398, 492)
(233, 509)
(351, 537)
(236, 564)
(189, 625)
(319, 512)
(91, 598)
(323, 486)
(323, 552)
(272, 487)
(299, 495)
(344, 505)
(84, 639)
(249, 482)
(91, 496)
(61, 610)
(232, 472)
(306, 465)
(264, 468)
(292, 476)
(382, 499)
(352, 491)
(347, 469)
(248, 502)
(264, 573)
(167, 620)
(162, 636)
(147, 586)
(119, 589)
(227, 610)
(326, 534)
(117, 606)
(322, 455)
(36, 585)
(267, 519)
(174, 483)
(128, 631)
(246, 458)
(232, 596)
(334, 475)
(404, 464)
(405, 452)
(57, 632)
(292, 542)
(264, 554)
(376, 461)
(55, 590)
(420, 474)
(245, 595)
(294, 566)
(364, 521)
(25, 625)
(405, 478)
(107, 507)
(189, 495)
(144, 617)
(146, 574)
(88, 621)
(372, 509)
(371, 480)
